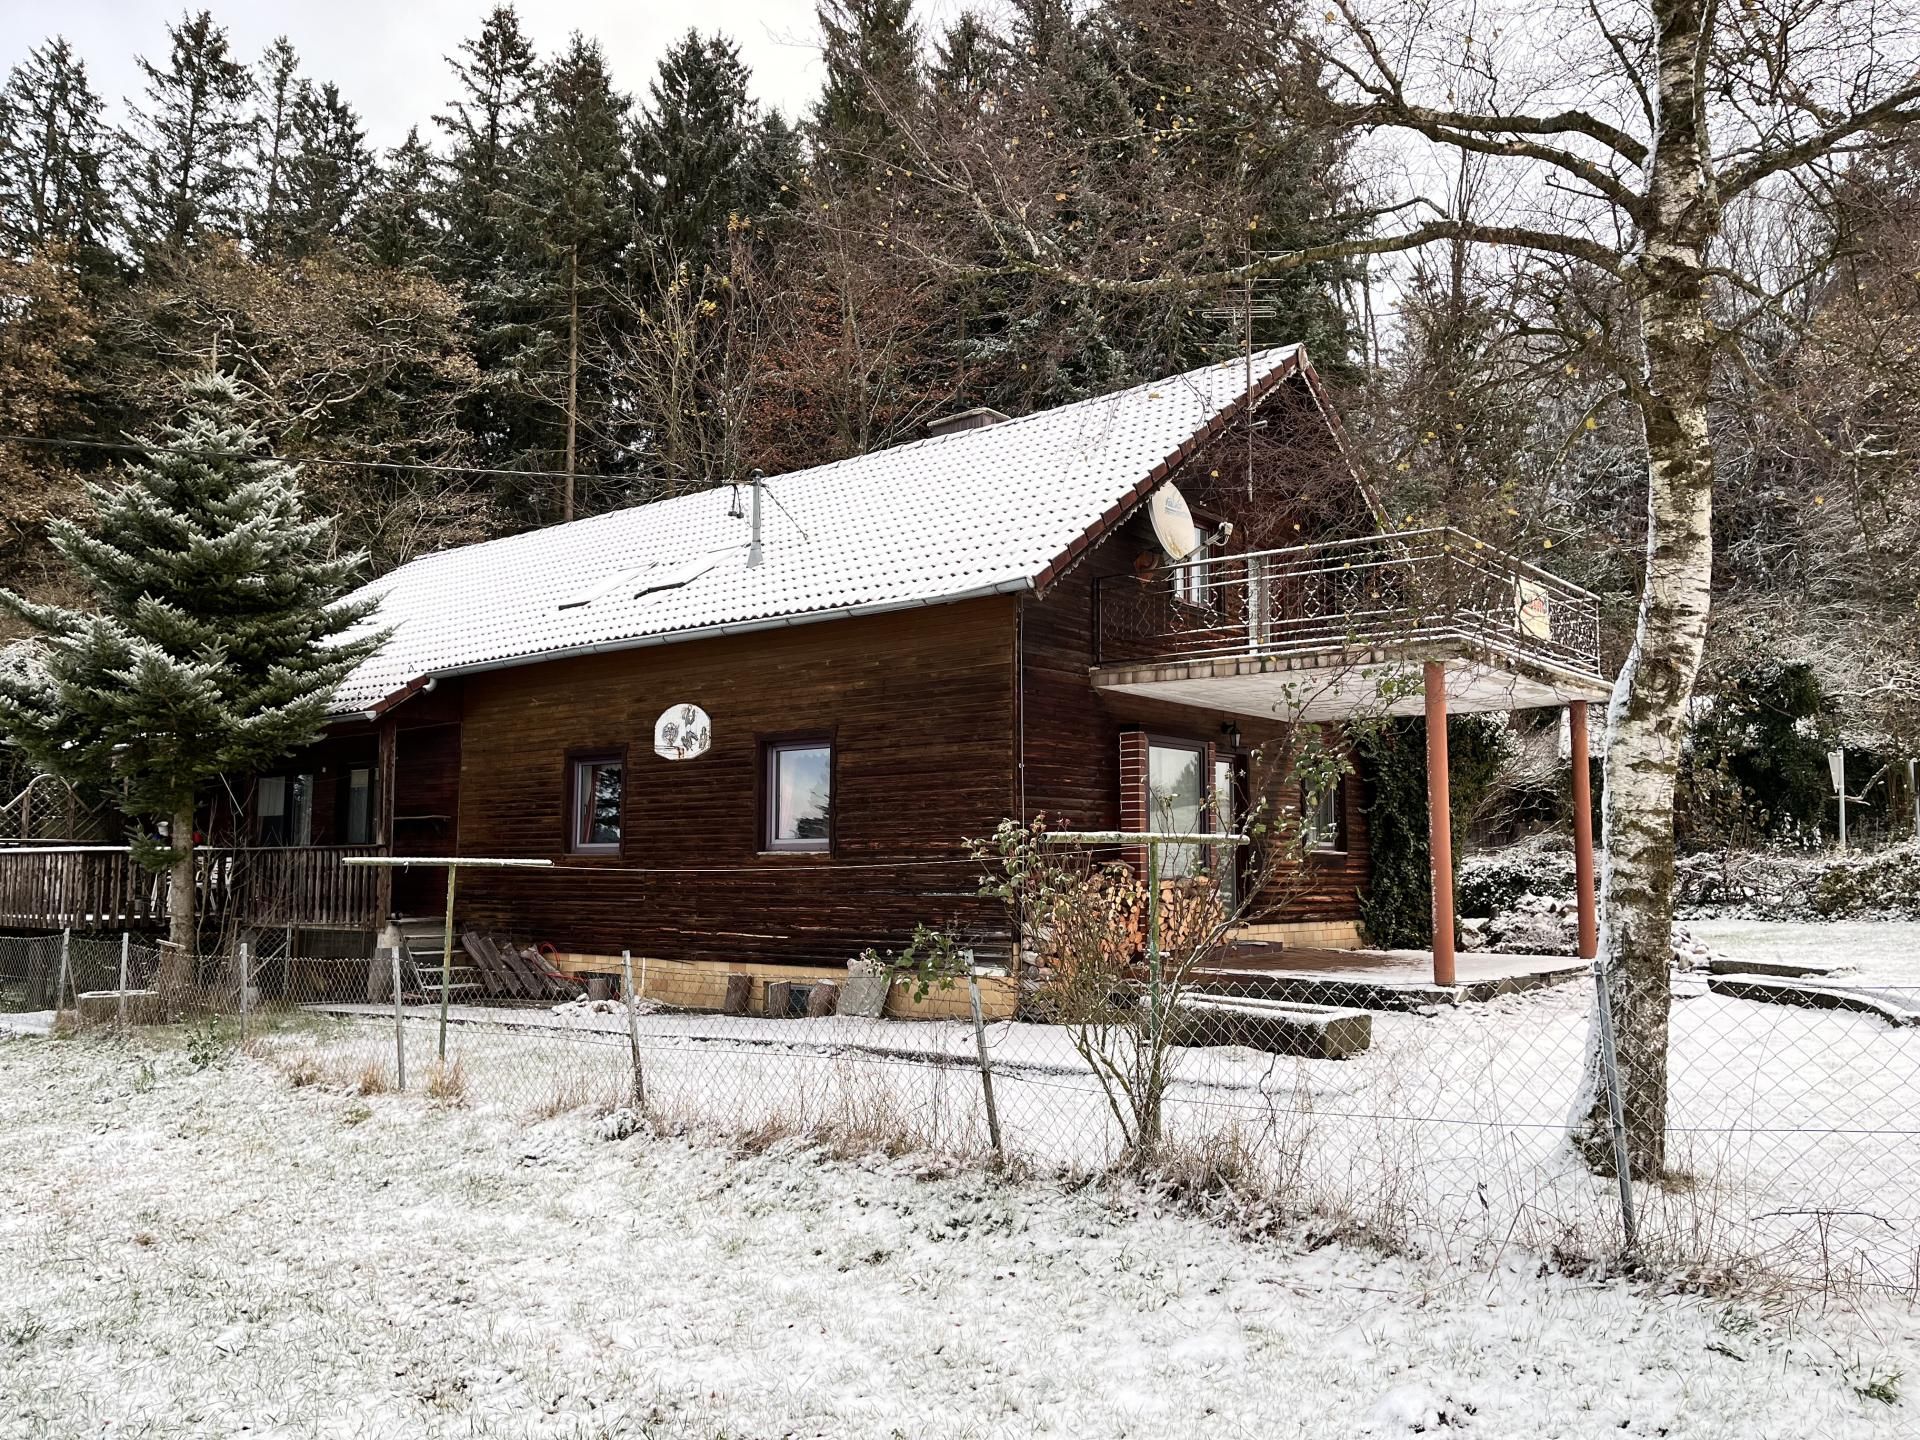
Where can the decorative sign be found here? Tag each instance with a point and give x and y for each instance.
(683, 732)
(1532, 610)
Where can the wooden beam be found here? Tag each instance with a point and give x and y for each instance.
(1583, 830)
(383, 808)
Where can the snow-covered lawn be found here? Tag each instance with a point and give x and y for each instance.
(214, 1252)
(1795, 1132)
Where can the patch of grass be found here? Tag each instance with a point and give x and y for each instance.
(1881, 1385)
(447, 1082)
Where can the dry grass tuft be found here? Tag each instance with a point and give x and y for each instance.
(371, 1078)
(447, 1082)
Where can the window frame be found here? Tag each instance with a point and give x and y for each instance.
(296, 804)
(1336, 843)
(372, 828)
(572, 820)
(767, 793)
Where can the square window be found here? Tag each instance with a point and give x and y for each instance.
(799, 795)
(599, 792)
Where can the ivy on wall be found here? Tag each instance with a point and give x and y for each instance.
(1397, 906)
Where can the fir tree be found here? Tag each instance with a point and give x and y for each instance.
(53, 159)
(484, 126)
(186, 149)
(870, 49)
(215, 641)
(396, 226)
(702, 153)
(279, 88)
(575, 220)
(329, 171)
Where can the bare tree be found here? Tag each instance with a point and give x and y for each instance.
(1622, 131)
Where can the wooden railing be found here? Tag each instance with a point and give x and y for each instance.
(102, 887)
(80, 887)
(306, 885)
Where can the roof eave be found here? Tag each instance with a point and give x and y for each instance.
(673, 637)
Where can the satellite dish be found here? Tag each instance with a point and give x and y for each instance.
(1173, 522)
(683, 732)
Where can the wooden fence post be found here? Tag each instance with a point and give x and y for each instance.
(986, 1072)
(633, 1031)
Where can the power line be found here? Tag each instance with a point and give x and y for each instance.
(133, 447)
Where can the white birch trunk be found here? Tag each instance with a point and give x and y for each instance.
(1646, 721)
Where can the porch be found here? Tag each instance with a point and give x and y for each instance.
(102, 887)
(1422, 623)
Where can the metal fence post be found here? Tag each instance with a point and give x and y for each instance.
(633, 1031)
(62, 980)
(1610, 1064)
(986, 1072)
(120, 1007)
(245, 977)
(399, 1025)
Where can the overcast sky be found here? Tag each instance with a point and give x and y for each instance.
(387, 56)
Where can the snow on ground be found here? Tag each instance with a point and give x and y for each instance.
(1796, 1132)
(214, 1252)
(1879, 951)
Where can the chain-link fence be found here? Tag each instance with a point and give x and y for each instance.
(1380, 1107)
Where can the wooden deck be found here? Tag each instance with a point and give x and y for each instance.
(102, 887)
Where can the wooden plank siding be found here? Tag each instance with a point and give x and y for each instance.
(1070, 746)
(919, 705)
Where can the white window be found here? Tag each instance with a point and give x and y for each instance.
(599, 792)
(799, 795)
(1177, 801)
(1320, 817)
(284, 805)
(1193, 578)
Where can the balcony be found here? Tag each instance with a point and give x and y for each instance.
(1343, 628)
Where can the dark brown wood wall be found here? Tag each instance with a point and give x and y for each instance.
(1070, 733)
(920, 704)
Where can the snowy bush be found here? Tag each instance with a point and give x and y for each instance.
(1493, 881)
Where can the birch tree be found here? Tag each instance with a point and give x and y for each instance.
(1620, 133)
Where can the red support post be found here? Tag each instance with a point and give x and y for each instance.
(1439, 822)
(1583, 887)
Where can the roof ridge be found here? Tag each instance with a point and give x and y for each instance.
(925, 441)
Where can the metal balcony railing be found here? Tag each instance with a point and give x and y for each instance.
(1405, 590)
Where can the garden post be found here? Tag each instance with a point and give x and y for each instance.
(633, 1030)
(986, 1071)
(1439, 822)
(399, 1025)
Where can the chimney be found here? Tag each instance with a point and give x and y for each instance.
(977, 418)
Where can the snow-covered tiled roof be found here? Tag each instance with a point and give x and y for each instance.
(969, 513)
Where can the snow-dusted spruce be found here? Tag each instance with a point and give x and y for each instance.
(1620, 133)
(216, 641)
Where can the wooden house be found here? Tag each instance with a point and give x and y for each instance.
(878, 659)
